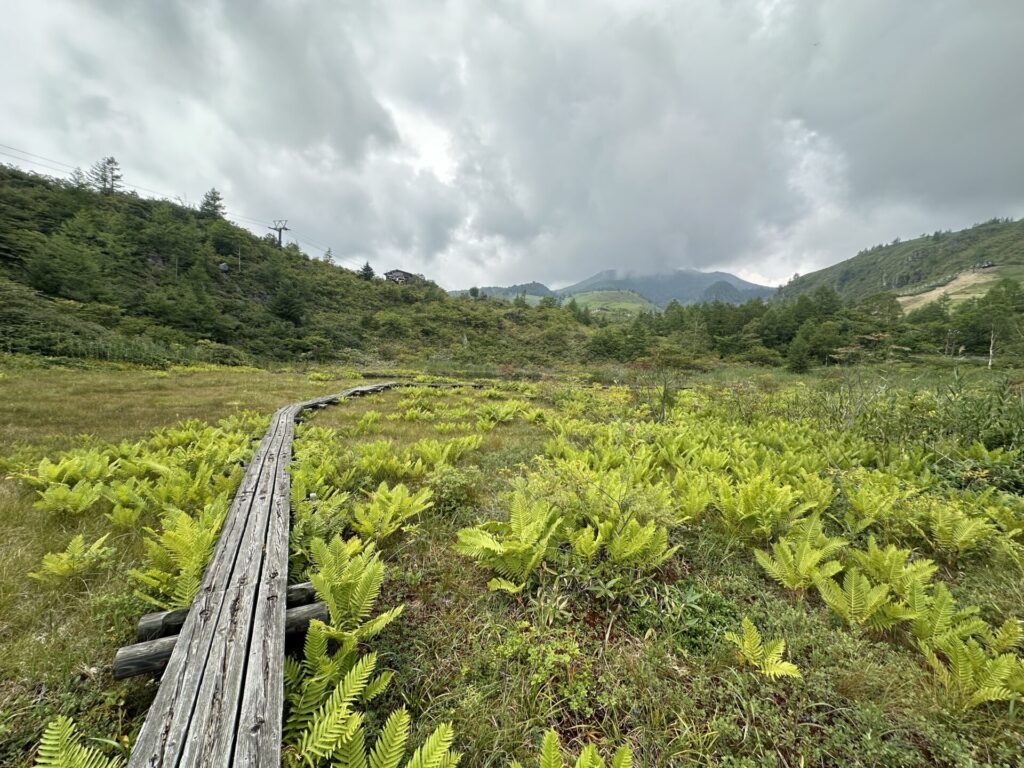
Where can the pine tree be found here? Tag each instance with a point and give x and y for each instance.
(78, 179)
(367, 272)
(212, 206)
(105, 176)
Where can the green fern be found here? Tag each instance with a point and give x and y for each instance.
(951, 531)
(758, 507)
(872, 498)
(969, 675)
(765, 657)
(513, 549)
(347, 577)
(692, 495)
(76, 560)
(552, 756)
(890, 566)
(323, 687)
(91, 466)
(59, 747)
(1006, 639)
(938, 619)
(75, 500)
(642, 547)
(124, 517)
(177, 554)
(335, 722)
(859, 603)
(803, 559)
(387, 509)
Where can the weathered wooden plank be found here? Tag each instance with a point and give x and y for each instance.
(151, 656)
(211, 739)
(258, 740)
(161, 737)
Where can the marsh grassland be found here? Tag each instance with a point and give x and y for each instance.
(744, 569)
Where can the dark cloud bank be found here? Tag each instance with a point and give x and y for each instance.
(502, 141)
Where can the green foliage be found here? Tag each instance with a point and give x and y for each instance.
(912, 265)
(323, 724)
(765, 657)
(890, 566)
(59, 747)
(552, 756)
(801, 560)
(347, 577)
(758, 507)
(177, 554)
(951, 530)
(184, 475)
(75, 500)
(387, 509)
(860, 603)
(970, 676)
(872, 499)
(75, 561)
(937, 618)
(91, 466)
(157, 282)
(513, 549)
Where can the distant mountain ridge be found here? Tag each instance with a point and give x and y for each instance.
(687, 286)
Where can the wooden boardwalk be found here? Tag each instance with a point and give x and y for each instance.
(220, 699)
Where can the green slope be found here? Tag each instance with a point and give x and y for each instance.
(614, 302)
(923, 266)
(85, 274)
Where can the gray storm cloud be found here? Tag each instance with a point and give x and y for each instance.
(504, 141)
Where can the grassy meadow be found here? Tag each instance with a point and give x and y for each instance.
(614, 562)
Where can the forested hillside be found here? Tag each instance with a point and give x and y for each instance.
(988, 251)
(91, 271)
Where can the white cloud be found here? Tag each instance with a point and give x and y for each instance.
(509, 141)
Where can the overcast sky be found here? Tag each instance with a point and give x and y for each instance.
(508, 140)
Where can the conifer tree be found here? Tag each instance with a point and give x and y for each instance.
(212, 206)
(105, 176)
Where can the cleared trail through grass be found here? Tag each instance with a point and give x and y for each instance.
(220, 699)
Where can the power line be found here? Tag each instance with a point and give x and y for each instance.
(261, 222)
(41, 157)
(34, 162)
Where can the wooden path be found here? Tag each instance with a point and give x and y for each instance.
(220, 700)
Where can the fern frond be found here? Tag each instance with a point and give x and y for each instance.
(351, 753)
(623, 758)
(433, 752)
(551, 751)
(59, 748)
(334, 721)
(389, 748)
(589, 758)
(765, 656)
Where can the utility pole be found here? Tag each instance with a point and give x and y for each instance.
(280, 225)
